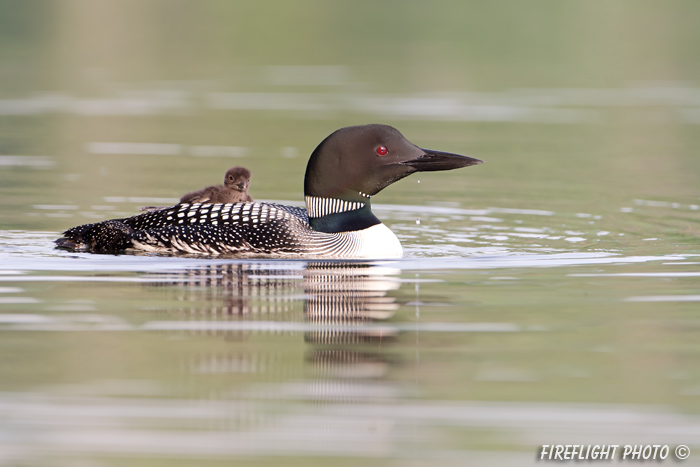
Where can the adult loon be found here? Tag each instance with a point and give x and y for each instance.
(343, 173)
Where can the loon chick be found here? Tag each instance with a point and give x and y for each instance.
(343, 173)
(234, 190)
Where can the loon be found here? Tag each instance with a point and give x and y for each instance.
(344, 172)
(234, 189)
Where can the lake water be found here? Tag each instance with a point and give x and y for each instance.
(550, 296)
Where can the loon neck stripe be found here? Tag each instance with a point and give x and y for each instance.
(349, 221)
(319, 207)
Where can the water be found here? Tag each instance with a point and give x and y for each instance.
(548, 296)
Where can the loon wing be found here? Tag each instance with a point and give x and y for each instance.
(239, 228)
(293, 210)
(236, 228)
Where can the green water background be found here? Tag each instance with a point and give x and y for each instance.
(586, 113)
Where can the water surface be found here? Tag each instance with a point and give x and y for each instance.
(548, 296)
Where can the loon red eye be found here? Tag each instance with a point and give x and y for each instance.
(382, 150)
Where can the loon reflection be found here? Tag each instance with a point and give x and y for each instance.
(343, 302)
(343, 295)
(344, 316)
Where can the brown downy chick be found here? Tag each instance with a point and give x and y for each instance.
(234, 189)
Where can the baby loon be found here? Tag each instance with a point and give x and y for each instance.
(234, 190)
(343, 173)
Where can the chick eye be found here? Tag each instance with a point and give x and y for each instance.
(382, 150)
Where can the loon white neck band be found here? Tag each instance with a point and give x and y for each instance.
(319, 207)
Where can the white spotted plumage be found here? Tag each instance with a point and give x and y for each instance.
(255, 229)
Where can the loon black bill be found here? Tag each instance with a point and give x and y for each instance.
(432, 161)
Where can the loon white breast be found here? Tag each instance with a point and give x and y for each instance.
(344, 172)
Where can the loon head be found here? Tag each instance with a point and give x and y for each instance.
(355, 163)
(237, 178)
